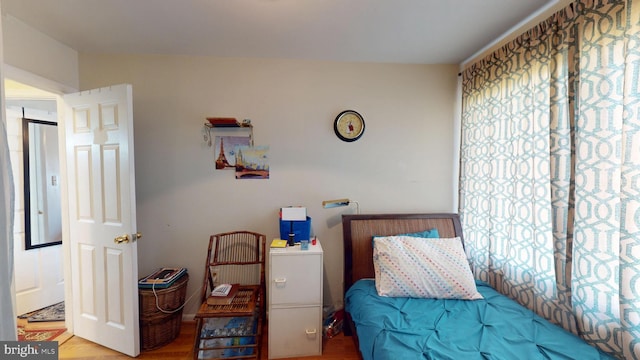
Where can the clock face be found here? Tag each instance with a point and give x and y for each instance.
(349, 125)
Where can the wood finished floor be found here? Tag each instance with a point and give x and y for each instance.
(339, 348)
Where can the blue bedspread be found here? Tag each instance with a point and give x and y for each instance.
(493, 328)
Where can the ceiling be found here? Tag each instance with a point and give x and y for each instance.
(392, 31)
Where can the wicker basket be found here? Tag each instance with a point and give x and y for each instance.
(158, 328)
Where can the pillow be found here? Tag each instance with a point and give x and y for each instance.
(433, 233)
(422, 268)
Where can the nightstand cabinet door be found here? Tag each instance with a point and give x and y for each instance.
(295, 302)
(295, 279)
(295, 332)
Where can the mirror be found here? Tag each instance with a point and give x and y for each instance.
(42, 219)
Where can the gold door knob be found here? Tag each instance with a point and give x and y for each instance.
(121, 239)
(126, 238)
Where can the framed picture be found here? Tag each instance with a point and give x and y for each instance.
(252, 162)
(224, 150)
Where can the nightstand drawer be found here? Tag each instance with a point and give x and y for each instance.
(295, 331)
(296, 280)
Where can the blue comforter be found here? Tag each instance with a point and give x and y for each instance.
(493, 328)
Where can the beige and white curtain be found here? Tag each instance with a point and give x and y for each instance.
(550, 171)
(8, 329)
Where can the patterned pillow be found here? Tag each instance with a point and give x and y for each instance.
(422, 268)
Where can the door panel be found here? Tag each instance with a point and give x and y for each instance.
(99, 140)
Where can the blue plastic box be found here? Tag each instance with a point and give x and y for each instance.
(301, 229)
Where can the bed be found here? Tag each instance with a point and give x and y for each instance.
(482, 325)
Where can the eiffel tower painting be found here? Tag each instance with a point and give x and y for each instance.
(225, 150)
(221, 161)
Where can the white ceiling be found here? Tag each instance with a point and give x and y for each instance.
(395, 31)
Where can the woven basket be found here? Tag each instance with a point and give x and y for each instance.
(169, 298)
(158, 328)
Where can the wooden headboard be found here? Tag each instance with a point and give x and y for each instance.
(358, 232)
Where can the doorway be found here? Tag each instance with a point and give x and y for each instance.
(39, 272)
(104, 312)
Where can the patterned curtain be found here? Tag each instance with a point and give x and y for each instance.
(550, 171)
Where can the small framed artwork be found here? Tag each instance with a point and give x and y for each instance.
(252, 162)
(224, 152)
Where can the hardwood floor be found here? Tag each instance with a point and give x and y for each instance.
(339, 348)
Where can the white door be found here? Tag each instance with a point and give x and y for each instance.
(101, 188)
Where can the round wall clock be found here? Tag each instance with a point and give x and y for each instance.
(349, 125)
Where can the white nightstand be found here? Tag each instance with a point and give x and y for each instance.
(295, 301)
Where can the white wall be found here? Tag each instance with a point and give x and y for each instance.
(403, 163)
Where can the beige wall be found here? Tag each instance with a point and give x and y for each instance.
(403, 163)
(38, 54)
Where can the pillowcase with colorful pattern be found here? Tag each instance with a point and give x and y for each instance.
(422, 268)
